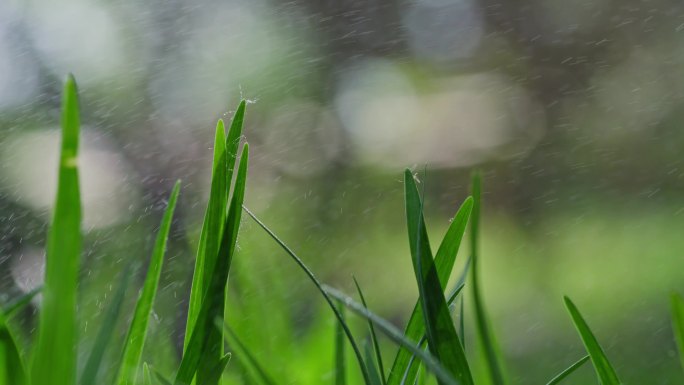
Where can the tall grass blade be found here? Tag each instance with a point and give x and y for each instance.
(137, 332)
(54, 356)
(104, 335)
(202, 354)
(12, 370)
(340, 359)
(244, 355)
(485, 335)
(444, 261)
(212, 228)
(374, 337)
(678, 323)
(561, 376)
(370, 363)
(430, 362)
(604, 370)
(443, 341)
(412, 371)
(147, 376)
(317, 283)
(17, 304)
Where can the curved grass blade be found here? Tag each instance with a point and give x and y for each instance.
(212, 228)
(202, 354)
(19, 303)
(443, 340)
(244, 355)
(137, 332)
(561, 376)
(678, 323)
(395, 335)
(444, 261)
(340, 359)
(317, 283)
(604, 370)
(104, 335)
(374, 337)
(55, 351)
(12, 370)
(484, 333)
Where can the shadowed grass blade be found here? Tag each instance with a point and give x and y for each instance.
(212, 228)
(370, 364)
(17, 304)
(104, 335)
(484, 333)
(443, 340)
(55, 351)
(315, 281)
(374, 337)
(395, 335)
(561, 376)
(202, 354)
(604, 370)
(12, 370)
(444, 261)
(678, 323)
(411, 373)
(244, 355)
(340, 359)
(137, 332)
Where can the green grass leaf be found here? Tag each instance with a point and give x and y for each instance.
(147, 376)
(443, 340)
(202, 354)
(677, 304)
(104, 335)
(604, 370)
(340, 359)
(245, 356)
(54, 355)
(17, 304)
(370, 364)
(137, 332)
(561, 376)
(212, 228)
(430, 362)
(12, 370)
(316, 282)
(485, 335)
(374, 338)
(444, 261)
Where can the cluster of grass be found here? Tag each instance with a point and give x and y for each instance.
(431, 348)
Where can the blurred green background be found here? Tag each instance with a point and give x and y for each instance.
(572, 110)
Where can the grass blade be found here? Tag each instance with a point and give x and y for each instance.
(318, 285)
(340, 359)
(212, 228)
(370, 364)
(604, 370)
(244, 355)
(15, 305)
(137, 332)
(678, 323)
(411, 373)
(147, 376)
(374, 337)
(55, 352)
(206, 341)
(444, 261)
(568, 371)
(443, 341)
(484, 333)
(104, 335)
(12, 370)
(395, 335)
